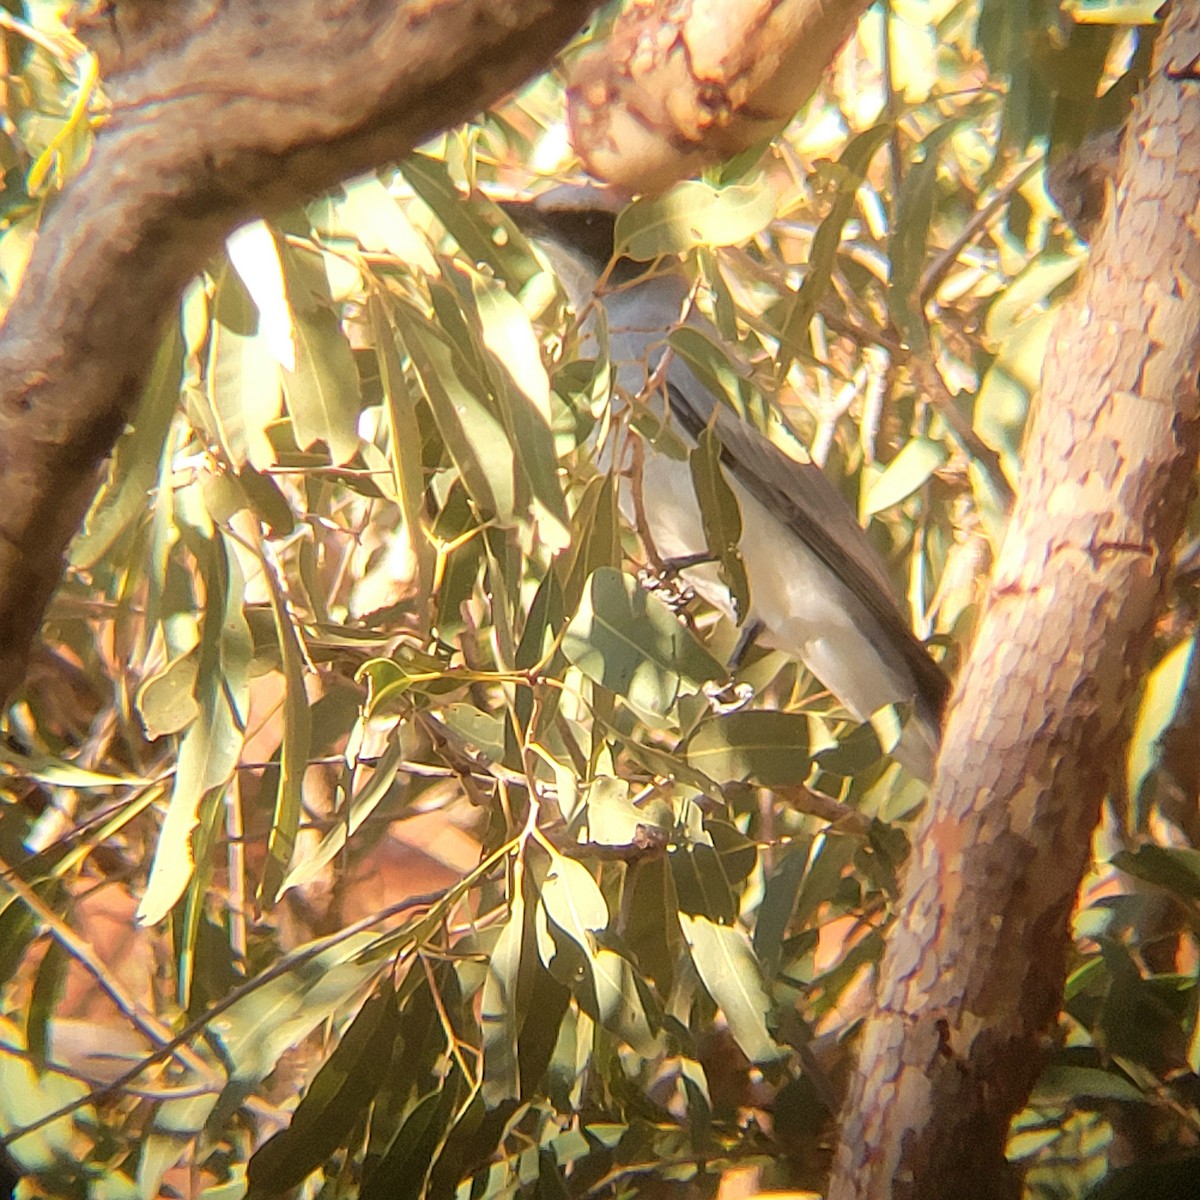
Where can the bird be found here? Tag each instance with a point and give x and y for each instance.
(818, 589)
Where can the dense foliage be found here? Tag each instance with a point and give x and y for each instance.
(433, 810)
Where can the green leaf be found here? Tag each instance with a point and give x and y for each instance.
(296, 738)
(370, 214)
(620, 1002)
(1176, 868)
(778, 904)
(614, 820)
(721, 518)
(499, 1013)
(758, 746)
(1160, 699)
(244, 386)
(523, 391)
(627, 640)
(695, 214)
(341, 1091)
(405, 437)
(279, 1013)
(649, 921)
(730, 973)
(909, 471)
(166, 700)
(212, 744)
(483, 730)
(853, 165)
(484, 232)
(1114, 12)
(323, 396)
(363, 803)
(573, 901)
(27, 1095)
(473, 435)
(401, 1173)
(121, 500)
(1065, 1084)
(701, 887)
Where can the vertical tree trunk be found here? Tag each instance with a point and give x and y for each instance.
(972, 979)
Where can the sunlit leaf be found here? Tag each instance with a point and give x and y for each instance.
(135, 462)
(853, 165)
(26, 1095)
(404, 435)
(628, 640)
(166, 701)
(473, 434)
(296, 736)
(574, 902)
(244, 385)
(524, 394)
(279, 1013)
(322, 392)
(308, 866)
(695, 214)
(209, 749)
(730, 974)
(755, 746)
(909, 471)
(1161, 696)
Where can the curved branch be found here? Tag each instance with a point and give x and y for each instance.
(222, 109)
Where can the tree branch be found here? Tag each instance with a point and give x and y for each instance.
(972, 979)
(222, 110)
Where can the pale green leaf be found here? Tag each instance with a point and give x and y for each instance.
(322, 393)
(405, 437)
(244, 388)
(363, 803)
(498, 1015)
(695, 214)
(629, 641)
(1159, 702)
(254, 255)
(296, 737)
(573, 901)
(166, 700)
(756, 746)
(135, 463)
(910, 470)
(473, 435)
(620, 1004)
(523, 390)
(730, 974)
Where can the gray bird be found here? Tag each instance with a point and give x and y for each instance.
(818, 589)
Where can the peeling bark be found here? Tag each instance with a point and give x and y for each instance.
(680, 84)
(972, 979)
(222, 110)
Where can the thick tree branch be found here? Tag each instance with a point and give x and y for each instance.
(972, 979)
(680, 84)
(222, 109)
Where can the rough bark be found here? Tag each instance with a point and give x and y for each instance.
(972, 979)
(222, 109)
(680, 84)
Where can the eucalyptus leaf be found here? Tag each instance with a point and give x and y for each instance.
(757, 746)
(629, 641)
(731, 976)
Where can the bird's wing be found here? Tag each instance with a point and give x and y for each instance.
(811, 507)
